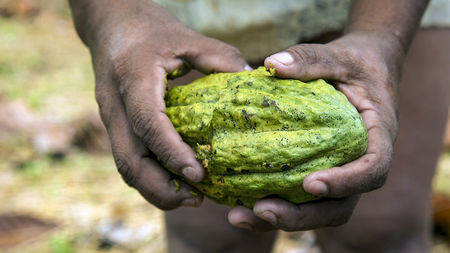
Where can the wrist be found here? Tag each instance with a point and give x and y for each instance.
(391, 24)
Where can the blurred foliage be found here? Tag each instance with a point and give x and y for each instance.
(61, 244)
(35, 168)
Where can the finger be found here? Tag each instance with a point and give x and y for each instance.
(216, 56)
(307, 62)
(290, 217)
(142, 91)
(365, 174)
(245, 218)
(134, 161)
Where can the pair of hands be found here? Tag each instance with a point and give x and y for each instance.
(132, 54)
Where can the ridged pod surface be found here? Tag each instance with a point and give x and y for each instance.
(258, 135)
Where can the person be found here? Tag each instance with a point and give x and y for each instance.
(135, 43)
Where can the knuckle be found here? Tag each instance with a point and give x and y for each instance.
(128, 173)
(125, 74)
(375, 172)
(145, 126)
(304, 54)
(363, 61)
(121, 66)
(167, 157)
(379, 181)
(380, 172)
(225, 49)
(234, 52)
(348, 62)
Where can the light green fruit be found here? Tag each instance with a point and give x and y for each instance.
(258, 135)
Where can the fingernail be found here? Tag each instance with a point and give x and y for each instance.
(270, 217)
(244, 225)
(190, 173)
(248, 68)
(283, 58)
(318, 188)
(190, 202)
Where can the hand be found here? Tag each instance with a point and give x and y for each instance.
(134, 44)
(367, 70)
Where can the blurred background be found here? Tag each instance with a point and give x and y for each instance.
(59, 189)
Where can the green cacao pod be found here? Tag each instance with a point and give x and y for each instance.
(258, 135)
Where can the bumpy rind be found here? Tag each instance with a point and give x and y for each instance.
(258, 135)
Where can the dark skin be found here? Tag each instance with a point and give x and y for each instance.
(135, 43)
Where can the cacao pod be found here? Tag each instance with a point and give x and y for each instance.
(258, 135)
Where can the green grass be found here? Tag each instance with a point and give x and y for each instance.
(61, 244)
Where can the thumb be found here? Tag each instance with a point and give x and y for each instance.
(215, 56)
(307, 62)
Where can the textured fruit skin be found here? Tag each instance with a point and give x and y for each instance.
(258, 135)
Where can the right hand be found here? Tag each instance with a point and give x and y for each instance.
(134, 45)
(366, 68)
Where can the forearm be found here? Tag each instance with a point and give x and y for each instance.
(395, 21)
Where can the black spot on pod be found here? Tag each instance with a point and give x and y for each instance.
(245, 171)
(244, 112)
(266, 102)
(313, 93)
(202, 126)
(268, 165)
(246, 115)
(285, 167)
(232, 120)
(230, 170)
(239, 202)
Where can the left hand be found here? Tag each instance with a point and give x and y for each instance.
(366, 69)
